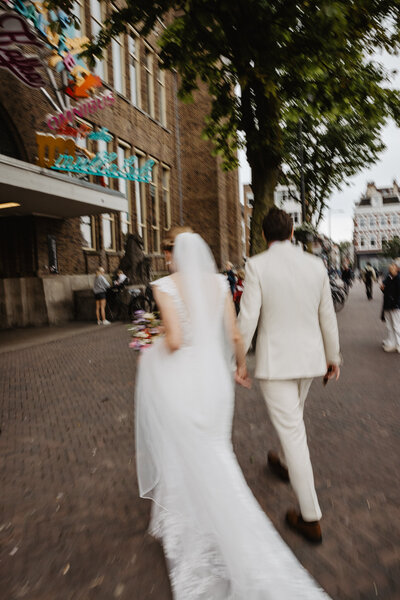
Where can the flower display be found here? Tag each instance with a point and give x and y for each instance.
(145, 328)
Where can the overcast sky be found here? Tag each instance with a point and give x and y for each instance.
(382, 173)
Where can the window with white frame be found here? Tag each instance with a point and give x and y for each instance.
(148, 67)
(249, 221)
(372, 221)
(250, 199)
(78, 10)
(362, 241)
(87, 226)
(155, 209)
(134, 68)
(395, 220)
(165, 177)
(161, 95)
(102, 147)
(372, 241)
(140, 203)
(124, 186)
(383, 220)
(362, 222)
(97, 16)
(108, 228)
(117, 46)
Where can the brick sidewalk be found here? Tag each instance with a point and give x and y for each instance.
(72, 526)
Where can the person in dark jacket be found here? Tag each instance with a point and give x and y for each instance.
(231, 277)
(391, 308)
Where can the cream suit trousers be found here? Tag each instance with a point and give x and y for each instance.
(285, 402)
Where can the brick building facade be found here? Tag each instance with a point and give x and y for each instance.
(80, 223)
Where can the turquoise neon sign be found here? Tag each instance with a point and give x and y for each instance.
(103, 165)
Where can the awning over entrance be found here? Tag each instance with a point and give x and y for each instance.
(42, 192)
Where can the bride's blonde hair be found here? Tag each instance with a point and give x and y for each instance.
(168, 242)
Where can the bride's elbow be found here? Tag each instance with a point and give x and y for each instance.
(173, 343)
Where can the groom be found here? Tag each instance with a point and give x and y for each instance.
(287, 294)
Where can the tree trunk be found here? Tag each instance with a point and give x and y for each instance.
(264, 181)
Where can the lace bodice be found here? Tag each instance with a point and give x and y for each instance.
(168, 286)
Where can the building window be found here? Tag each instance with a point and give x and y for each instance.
(140, 201)
(148, 66)
(362, 241)
(134, 70)
(161, 95)
(124, 186)
(250, 199)
(165, 174)
(395, 220)
(118, 64)
(97, 17)
(108, 223)
(383, 220)
(155, 210)
(372, 221)
(102, 147)
(88, 233)
(249, 221)
(78, 11)
(362, 222)
(295, 218)
(373, 240)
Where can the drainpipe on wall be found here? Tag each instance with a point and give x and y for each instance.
(178, 149)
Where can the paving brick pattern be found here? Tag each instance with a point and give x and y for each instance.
(72, 526)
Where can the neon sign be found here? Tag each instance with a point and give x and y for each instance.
(66, 46)
(82, 110)
(14, 30)
(103, 165)
(101, 135)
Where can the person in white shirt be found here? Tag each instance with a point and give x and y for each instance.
(287, 295)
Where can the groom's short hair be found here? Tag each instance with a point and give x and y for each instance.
(277, 225)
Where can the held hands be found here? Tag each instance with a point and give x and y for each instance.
(242, 377)
(333, 372)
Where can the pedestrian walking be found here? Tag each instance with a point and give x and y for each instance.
(231, 277)
(391, 309)
(100, 288)
(287, 294)
(347, 277)
(369, 276)
(238, 290)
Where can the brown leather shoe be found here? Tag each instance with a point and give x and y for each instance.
(311, 530)
(277, 467)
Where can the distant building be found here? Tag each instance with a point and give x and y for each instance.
(376, 219)
(285, 198)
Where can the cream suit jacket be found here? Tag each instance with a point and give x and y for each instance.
(287, 294)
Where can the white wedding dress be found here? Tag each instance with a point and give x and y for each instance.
(218, 543)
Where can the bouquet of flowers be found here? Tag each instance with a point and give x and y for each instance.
(145, 328)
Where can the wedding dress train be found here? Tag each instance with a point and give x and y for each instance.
(218, 543)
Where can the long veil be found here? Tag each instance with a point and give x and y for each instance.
(197, 283)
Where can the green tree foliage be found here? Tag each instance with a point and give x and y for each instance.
(391, 248)
(313, 60)
(333, 151)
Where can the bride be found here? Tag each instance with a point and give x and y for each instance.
(218, 543)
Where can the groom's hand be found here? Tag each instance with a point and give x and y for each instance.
(242, 377)
(333, 372)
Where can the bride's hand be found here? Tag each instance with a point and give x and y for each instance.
(242, 377)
